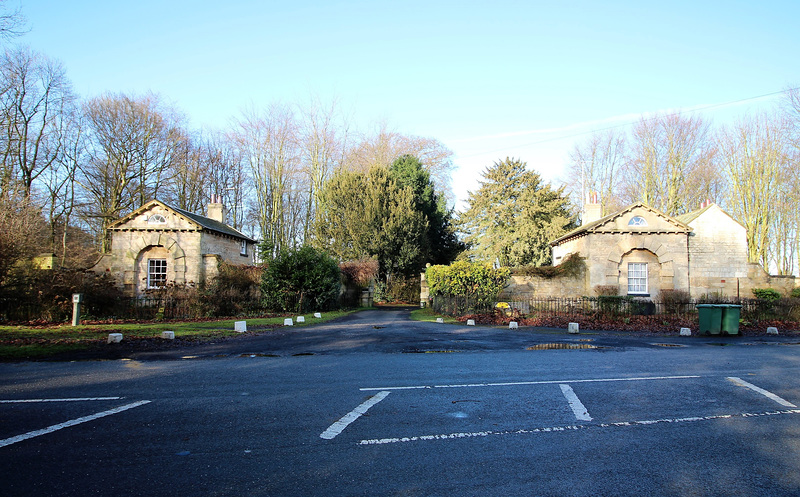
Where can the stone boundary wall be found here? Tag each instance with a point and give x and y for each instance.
(528, 287)
(538, 287)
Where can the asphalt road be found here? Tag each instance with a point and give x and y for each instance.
(345, 409)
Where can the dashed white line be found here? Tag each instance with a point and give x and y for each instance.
(73, 422)
(339, 426)
(580, 411)
(765, 393)
(517, 383)
(76, 399)
(452, 436)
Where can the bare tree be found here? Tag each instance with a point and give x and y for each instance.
(671, 164)
(267, 142)
(227, 175)
(753, 153)
(788, 233)
(597, 165)
(133, 146)
(21, 231)
(383, 146)
(12, 22)
(35, 95)
(321, 140)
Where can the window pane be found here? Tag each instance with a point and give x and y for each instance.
(637, 277)
(156, 273)
(637, 221)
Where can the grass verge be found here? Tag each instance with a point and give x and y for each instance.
(429, 316)
(41, 342)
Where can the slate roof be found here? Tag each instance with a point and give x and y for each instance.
(202, 221)
(691, 216)
(212, 225)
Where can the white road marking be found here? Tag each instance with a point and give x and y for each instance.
(581, 413)
(73, 422)
(516, 383)
(337, 427)
(77, 399)
(452, 436)
(769, 395)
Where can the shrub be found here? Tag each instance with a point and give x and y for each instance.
(713, 298)
(359, 273)
(612, 304)
(468, 279)
(675, 301)
(401, 289)
(30, 293)
(235, 291)
(301, 280)
(769, 295)
(795, 293)
(606, 290)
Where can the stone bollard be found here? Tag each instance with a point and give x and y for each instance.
(317, 315)
(301, 319)
(114, 337)
(513, 325)
(440, 320)
(470, 322)
(686, 332)
(169, 335)
(573, 328)
(772, 330)
(240, 326)
(288, 322)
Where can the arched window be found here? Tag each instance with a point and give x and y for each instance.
(156, 219)
(637, 221)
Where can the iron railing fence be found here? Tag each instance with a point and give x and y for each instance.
(150, 307)
(452, 305)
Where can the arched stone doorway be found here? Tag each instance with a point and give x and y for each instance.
(158, 263)
(640, 274)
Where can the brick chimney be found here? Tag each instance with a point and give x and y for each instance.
(592, 209)
(216, 209)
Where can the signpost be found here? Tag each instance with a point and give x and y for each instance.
(77, 298)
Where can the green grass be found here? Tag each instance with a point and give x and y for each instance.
(38, 342)
(428, 315)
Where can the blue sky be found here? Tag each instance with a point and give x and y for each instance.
(488, 79)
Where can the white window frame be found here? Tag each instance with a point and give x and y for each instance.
(638, 280)
(637, 221)
(156, 219)
(156, 273)
(243, 247)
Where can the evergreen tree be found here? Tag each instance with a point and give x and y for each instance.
(514, 215)
(441, 244)
(371, 215)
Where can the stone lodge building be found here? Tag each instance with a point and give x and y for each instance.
(642, 252)
(158, 245)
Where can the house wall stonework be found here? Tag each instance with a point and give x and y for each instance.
(704, 252)
(192, 252)
(719, 256)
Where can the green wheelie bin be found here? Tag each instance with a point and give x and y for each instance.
(730, 318)
(710, 316)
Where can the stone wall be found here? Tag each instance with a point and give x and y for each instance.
(522, 287)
